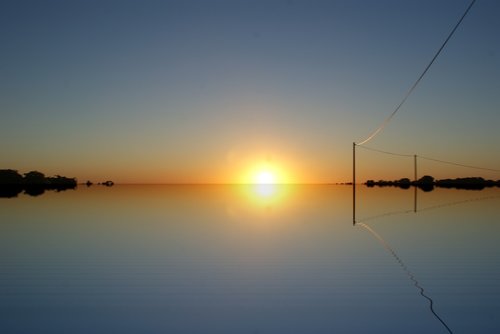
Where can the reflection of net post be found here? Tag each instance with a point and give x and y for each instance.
(353, 183)
(415, 199)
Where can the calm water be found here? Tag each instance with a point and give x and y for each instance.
(216, 259)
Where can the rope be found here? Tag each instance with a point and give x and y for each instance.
(458, 164)
(388, 119)
(428, 158)
(386, 152)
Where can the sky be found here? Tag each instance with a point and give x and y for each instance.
(211, 91)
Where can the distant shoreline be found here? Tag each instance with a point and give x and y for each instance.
(428, 183)
(33, 183)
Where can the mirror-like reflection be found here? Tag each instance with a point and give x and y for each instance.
(284, 259)
(412, 277)
(362, 223)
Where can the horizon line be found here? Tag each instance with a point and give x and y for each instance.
(223, 183)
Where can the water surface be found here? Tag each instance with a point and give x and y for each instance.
(225, 259)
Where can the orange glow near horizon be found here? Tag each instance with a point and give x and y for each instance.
(246, 167)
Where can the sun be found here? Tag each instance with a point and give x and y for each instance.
(265, 177)
(265, 173)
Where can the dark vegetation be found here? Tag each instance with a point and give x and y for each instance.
(427, 183)
(105, 183)
(33, 183)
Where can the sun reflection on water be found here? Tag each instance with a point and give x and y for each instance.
(265, 190)
(268, 198)
(259, 201)
(266, 194)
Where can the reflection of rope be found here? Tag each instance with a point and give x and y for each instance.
(408, 272)
(387, 120)
(434, 207)
(429, 208)
(387, 214)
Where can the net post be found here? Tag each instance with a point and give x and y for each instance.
(415, 167)
(415, 186)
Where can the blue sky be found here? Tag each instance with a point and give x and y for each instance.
(196, 91)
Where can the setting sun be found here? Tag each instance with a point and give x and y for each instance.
(266, 172)
(265, 177)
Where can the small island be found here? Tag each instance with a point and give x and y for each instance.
(107, 183)
(33, 183)
(427, 183)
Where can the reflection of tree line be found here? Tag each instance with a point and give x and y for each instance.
(427, 183)
(414, 210)
(33, 183)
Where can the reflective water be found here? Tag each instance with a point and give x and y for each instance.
(220, 259)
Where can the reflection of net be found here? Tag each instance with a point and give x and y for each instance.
(439, 206)
(408, 272)
(429, 208)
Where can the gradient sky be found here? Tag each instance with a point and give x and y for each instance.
(204, 91)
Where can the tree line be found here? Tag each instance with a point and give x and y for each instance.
(427, 183)
(32, 183)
